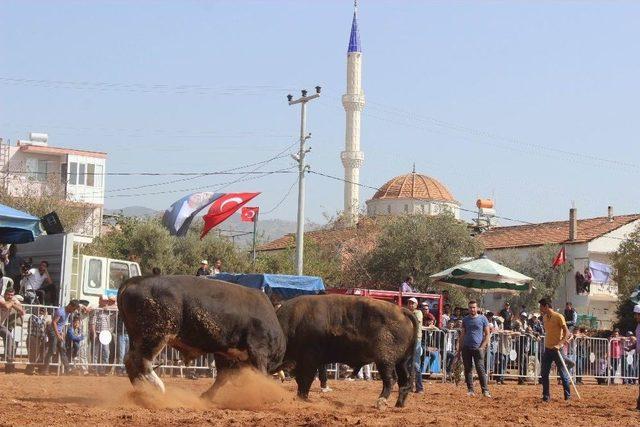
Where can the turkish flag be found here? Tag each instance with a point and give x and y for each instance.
(560, 259)
(223, 207)
(249, 214)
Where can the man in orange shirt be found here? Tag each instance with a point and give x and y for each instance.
(557, 335)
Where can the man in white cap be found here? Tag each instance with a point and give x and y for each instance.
(204, 268)
(636, 314)
(412, 305)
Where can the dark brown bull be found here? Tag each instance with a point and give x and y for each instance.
(196, 316)
(351, 330)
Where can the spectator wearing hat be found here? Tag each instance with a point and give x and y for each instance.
(204, 268)
(412, 305)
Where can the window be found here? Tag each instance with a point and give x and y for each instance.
(135, 271)
(36, 169)
(73, 173)
(63, 173)
(118, 273)
(82, 168)
(99, 176)
(91, 170)
(42, 170)
(94, 279)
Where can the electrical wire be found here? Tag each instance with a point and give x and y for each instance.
(145, 88)
(286, 195)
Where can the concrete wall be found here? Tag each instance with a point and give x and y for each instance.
(410, 206)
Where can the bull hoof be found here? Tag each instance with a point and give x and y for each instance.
(381, 403)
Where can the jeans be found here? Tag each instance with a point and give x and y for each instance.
(9, 343)
(101, 355)
(416, 365)
(123, 346)
(471, 356)
(56, 345)
(549, 356)
(501, 366)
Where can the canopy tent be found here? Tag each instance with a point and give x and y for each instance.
(282, 285)
(485, 276)
(17, 226)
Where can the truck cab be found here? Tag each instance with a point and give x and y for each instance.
(80, 276)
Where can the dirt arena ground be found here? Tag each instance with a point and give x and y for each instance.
(111, 401)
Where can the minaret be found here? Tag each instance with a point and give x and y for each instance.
(353, 102)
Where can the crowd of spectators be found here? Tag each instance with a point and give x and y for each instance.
(516, 346)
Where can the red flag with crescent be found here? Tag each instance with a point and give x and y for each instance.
(249, 214)
(223, 208)
(560, 259)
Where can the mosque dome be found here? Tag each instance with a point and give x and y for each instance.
(413, 193)
(414, 186)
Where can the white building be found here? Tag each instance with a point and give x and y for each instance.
(77, 176)
(586, 240)
(413, 193)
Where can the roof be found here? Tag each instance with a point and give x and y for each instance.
(39, 149)
(329, 236)
(414, 186)
(320, 236)
(552, 232)
(354, 38)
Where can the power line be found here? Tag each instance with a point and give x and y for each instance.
(283, 198)
(208, 186)
(377, 188)
(409, 115)
(146, 88)
(276, 157)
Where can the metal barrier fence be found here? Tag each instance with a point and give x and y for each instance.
(95, 341)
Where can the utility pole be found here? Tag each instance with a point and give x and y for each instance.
(302, 168)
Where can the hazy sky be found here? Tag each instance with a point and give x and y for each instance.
(533, 102)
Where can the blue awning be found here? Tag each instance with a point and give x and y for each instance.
(282, 285)
(17, 226)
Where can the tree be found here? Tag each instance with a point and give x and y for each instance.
(318, 261)
(42, 197)
(626, 266)
(418, 245)
(148, 242)
(537, 264)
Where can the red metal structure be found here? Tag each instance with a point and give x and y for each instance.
(435, 300)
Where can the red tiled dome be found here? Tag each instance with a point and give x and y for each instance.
(414, 186)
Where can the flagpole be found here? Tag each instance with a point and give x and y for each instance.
(255, 225)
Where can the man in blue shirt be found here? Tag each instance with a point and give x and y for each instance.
(472, 343)
(56, 333)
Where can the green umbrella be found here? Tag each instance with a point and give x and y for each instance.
(485, 276)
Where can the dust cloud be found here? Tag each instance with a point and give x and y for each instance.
(246, 390)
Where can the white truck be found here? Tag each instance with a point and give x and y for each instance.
(80, 276)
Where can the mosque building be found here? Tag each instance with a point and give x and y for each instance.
(412, 193)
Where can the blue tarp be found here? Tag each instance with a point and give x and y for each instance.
(17, 226)
(280, 284)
